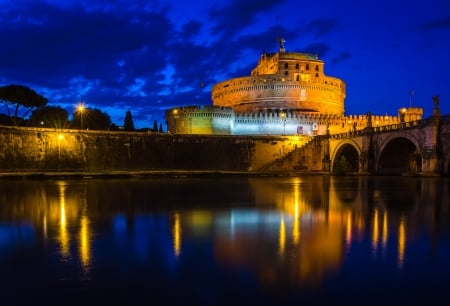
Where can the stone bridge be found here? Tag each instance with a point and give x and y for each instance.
(414, 147)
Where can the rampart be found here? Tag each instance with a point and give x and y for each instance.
(40, 149)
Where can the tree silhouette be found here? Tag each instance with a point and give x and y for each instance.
(155, 126)
(128, 124)
(92, 119)
(16, 96)
(160, 128)
(49, 116)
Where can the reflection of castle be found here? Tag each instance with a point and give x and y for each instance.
(287, 93)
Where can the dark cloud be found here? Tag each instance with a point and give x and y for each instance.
(340, 57)
(436, 24)
(191, 29)
(96, 53)
(320, 49)
(236, 15)
(320, 27)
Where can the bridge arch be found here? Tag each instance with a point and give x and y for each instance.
(348, 149)
(399, 154)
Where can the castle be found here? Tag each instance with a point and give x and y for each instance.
(287, 93)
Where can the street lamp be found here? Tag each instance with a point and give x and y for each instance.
(80, 110)
(175, 117)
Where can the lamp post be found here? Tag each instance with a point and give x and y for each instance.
(80, 110)
(175, 117)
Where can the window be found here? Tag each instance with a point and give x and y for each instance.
(286, 66)
(307, 66)
(317, 67)
(296, 66)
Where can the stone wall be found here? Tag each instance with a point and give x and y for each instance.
(39, 149)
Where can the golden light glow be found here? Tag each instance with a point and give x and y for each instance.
(385, 230)
(296, 225)
(348, 232)
(85, 242)
(80, 107)
(64, 239)
(60, 137)
(282, 236)
(375, 231)
(401, 242)
(176, 235)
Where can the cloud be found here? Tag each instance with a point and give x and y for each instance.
(236, 15)
(321, 49)
(320, 27)
(340, 57)
(96, 52)
(442, 23)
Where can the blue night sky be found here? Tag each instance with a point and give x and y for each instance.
(148, 56)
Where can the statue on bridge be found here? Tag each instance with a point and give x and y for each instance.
(436, 110)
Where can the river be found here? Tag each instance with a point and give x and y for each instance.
(312, 240)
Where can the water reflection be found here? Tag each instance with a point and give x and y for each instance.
(287, 232)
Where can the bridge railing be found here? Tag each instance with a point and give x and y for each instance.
(402, 125)
(385, 128)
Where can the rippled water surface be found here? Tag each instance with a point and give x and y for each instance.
(313, 240)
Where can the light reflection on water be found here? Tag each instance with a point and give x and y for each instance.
(298, 238)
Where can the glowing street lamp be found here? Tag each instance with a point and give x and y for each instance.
(175, 117)
(80, 110)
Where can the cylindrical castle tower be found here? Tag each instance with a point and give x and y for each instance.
(283, 80)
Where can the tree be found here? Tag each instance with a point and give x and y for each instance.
(155, 126)
(128, 124)
(92, 119)
(49, 116)
(16, 96)
(160, 128)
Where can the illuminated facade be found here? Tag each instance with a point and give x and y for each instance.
(287, 93)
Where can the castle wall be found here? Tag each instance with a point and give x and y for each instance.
(324, 95)
(213, 120)
(39, 150)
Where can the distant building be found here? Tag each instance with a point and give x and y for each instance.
(287, 93)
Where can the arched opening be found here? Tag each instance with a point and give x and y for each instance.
(400, 157)
(346, 160)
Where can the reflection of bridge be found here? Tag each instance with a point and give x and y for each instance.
(406, 148)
